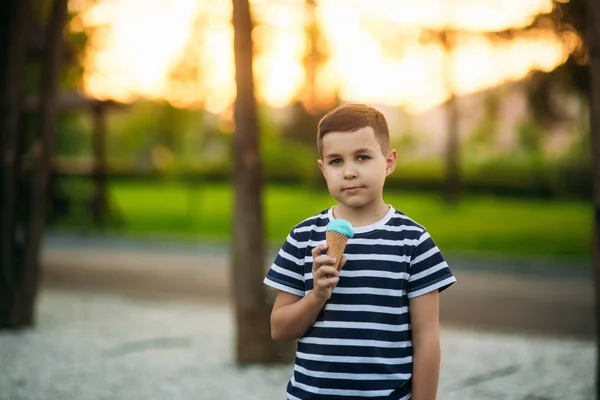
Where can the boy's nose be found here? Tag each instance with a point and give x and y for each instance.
(350, 173)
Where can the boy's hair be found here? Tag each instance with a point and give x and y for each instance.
(352, 117)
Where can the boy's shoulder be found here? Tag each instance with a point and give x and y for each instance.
(315, 222)
(401, 219)
(400, 226)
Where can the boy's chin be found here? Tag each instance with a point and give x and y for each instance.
(353, 203)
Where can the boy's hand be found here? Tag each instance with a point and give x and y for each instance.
(325, 275)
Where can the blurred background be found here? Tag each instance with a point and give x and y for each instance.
(120, 149)
(506, 79)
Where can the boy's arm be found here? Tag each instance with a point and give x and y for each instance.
(293, 315)
(424, 319)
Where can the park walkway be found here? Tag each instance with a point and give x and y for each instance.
(520, 296)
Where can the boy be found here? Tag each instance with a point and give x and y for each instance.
(371, 329)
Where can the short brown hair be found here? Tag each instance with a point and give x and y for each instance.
(352, 117)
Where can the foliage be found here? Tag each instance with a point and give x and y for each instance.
(479, 224)
(74, 136)
(566, 17)
(529, 139)
(155, 137)
(285, 162)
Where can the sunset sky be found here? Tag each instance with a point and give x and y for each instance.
(373, 51)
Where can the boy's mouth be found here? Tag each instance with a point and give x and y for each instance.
(352, 189)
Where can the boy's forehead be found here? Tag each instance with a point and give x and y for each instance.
(337, 142)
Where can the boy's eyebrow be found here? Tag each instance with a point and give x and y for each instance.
(363, 150)
(358, 151)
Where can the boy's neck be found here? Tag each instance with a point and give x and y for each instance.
(363, 216)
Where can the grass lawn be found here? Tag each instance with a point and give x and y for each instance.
(480, 224)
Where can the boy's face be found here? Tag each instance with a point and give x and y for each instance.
(355, 168)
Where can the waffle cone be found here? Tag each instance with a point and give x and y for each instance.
(336, 243)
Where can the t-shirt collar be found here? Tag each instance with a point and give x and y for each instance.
(370, 227)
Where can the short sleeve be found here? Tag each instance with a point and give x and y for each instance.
(287, 271)
(428, 269)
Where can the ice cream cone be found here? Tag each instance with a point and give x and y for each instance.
(336, 243)
(336, 235)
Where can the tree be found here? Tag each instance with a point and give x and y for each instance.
(564, 16)
(13, 47)
(314, 58)
(24, 191)
(310, 104)
(593, 45)
(252, 307)
(452, 181)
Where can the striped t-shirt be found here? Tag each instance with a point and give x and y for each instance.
(360, 345)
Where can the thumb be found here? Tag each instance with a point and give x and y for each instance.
(342, 263)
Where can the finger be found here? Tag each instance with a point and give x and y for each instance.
(322, 273)
(329, 282)
(317, 250)
(342, 262)
(325, 260)
(326, 270)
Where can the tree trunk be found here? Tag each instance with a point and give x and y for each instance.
(593, 43)
(452, 182)
(13, 47)
(313, 59)
(99, 173)
(253, 341)
(43, 150)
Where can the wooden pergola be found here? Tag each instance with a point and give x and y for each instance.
(97, 170)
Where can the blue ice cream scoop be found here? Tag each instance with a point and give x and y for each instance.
(341, 226)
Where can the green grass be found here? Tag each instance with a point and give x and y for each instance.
(479, 224)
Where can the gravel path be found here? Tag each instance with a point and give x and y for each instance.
(99, 346)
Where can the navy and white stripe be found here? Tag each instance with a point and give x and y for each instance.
(361, 345)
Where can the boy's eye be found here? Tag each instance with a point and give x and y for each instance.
(335, 161)
(363, 158)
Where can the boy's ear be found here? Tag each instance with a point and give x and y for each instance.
(391, 161)
(320, 164)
